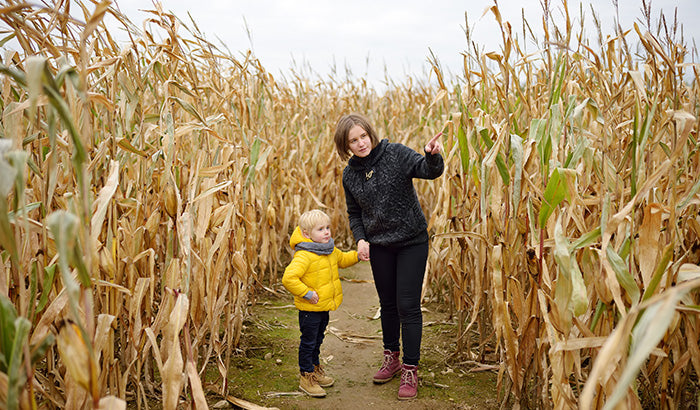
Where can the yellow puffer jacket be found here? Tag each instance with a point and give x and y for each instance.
(309, 271)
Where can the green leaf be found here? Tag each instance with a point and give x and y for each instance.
(623, 275)
(555, 192)
(254, 156)
(605, 212)
(7, 237)
(544, 143)
(502, 169)
(49, 275)
(79, 263)
(463, 147)
(659, 272)
(587, 239)
(27, 208)
(599, 308)
(591, 106)
(16, 377)
(38, 352)
(6, 39)
(689, 197)
(484, 134)
(8, 315)
(127, 146)
(18, 159)
(558, 80)
(574, 156)
(190, 109)
(52, 91)
(645, 132)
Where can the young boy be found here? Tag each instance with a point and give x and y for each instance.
(312, 277)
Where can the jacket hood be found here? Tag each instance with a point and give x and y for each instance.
(297, 237)
(371, 159)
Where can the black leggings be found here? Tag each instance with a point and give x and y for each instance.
(398, 276)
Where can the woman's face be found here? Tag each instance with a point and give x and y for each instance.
(359, 142)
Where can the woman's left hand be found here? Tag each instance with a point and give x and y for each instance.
(433, 146)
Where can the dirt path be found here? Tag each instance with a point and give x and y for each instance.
(353, 350)
(266, 374)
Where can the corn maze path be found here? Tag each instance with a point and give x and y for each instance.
(352, 352)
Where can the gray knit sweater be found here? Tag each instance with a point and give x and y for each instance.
(382, 204)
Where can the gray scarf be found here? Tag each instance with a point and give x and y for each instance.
(316, 247)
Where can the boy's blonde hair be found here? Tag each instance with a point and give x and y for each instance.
(310, 219)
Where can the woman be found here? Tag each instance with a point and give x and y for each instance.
(388, 223)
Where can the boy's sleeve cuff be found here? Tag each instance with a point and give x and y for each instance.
(308, 295)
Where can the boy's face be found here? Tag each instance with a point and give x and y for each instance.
(320, 233)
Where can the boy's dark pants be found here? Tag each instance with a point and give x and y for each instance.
(312, 326)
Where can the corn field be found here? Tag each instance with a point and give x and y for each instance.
(149, 190)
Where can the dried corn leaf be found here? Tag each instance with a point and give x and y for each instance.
(112, 403)
(570, 293)
(646, 334)
(352, 337)
(200, 400)
(103, 200)
(173, 368)
(649, 246)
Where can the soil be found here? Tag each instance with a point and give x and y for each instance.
(267, 373)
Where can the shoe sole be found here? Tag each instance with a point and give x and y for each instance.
(382, 381)
(312, 394)
(327, 385)
(408, 398)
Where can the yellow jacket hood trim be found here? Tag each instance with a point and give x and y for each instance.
(297, 237)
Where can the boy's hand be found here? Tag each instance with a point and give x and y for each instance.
(363, 250)
(314, 297)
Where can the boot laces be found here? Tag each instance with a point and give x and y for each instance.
(388, 360)
(408, 376)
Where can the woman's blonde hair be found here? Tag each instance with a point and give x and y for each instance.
(342, 129)
(310, 219)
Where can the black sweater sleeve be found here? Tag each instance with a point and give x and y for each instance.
(429, 166)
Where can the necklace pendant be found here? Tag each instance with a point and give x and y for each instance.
(369, 174)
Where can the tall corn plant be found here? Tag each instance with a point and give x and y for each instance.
(571, 222)
(109, 195)
(155, 188)
(197, 164)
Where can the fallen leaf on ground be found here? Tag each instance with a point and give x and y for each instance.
(350, 337)
(246, 404)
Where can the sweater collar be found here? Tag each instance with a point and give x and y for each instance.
(371, 158)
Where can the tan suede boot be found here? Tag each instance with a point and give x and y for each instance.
(309, 385)
(321, 377)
